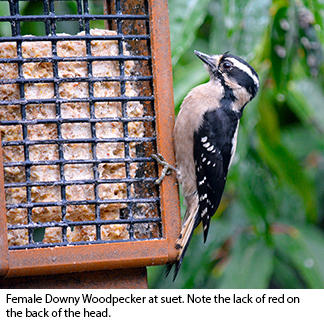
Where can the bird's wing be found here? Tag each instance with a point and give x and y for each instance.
(212, 154)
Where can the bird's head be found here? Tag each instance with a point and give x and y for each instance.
(234, 73)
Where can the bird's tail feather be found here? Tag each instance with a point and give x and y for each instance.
(188, 227)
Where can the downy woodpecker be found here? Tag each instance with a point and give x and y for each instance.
(205, 136)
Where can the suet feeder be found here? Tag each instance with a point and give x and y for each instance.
(80, 115)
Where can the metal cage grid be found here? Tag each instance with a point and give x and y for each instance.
(140, 188)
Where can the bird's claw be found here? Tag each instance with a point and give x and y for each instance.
(167, 168)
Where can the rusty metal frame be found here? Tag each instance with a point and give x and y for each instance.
(65, 259)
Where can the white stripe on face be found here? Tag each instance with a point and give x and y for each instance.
(244, 68)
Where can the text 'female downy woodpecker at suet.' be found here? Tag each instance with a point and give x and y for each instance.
(205, 136)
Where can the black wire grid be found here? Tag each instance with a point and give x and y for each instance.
(139, 225)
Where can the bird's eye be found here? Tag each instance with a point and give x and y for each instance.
(227, 64)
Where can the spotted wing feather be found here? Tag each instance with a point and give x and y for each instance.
(210, 181)
(213, 144)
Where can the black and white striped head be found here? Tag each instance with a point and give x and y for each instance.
(233, 72)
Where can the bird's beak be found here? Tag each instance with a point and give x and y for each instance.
(211, 61)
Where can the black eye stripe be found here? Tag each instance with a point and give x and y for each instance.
(237, 73)
(243, 79)
(239, 59)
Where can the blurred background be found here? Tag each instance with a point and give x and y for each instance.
(269, 229)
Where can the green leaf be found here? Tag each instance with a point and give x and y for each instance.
(5, 27)
(318, 11)
(250, 265)
(290, 171)
(233, 26)
(303, 247)
(282, 161)
(36, 28)
(66, 26)
(306, 99)
(284, 276)
(186, 16)
(256, 198)
(303, 141)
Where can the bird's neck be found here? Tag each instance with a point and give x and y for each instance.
(243, 97)
(231, 102)
(234, 97)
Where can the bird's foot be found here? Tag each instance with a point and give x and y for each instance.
(167, 168)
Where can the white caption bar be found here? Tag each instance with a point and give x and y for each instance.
(160, 305)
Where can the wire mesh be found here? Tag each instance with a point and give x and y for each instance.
(77, 138)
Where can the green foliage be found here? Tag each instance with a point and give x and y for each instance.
(248, 256)
(187, 16)
(269, 231)
(303, 249)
